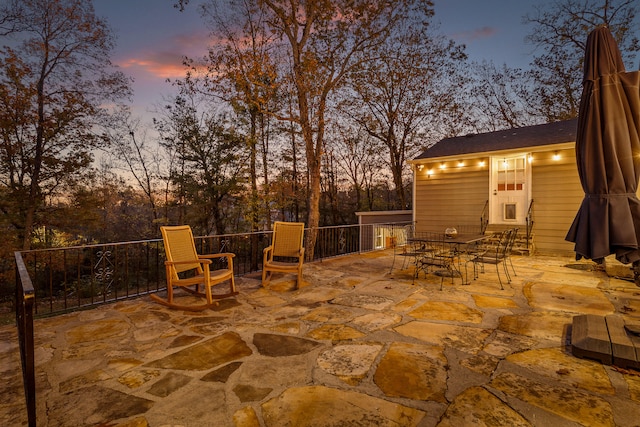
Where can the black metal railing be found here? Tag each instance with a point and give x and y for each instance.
(79, 277)
(25, 297)
(58, 280)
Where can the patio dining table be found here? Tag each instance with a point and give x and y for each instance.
(444, 251)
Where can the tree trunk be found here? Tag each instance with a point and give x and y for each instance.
(253, 205)
(34, 189)
(266, 192)
(397, 181)
(314, 209)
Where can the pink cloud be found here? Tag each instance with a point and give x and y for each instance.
(162, 70)
(167, 60)
(475, 34)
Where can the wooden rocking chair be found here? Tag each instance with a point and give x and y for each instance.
(286, 253)
(182, 257)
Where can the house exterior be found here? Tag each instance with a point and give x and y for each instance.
(525, 177)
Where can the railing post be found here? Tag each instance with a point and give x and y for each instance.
(484, 220)
(25, 298)
(529, 225)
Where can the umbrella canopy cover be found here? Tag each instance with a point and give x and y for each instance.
(608, 155)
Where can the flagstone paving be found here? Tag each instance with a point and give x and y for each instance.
(356, 345)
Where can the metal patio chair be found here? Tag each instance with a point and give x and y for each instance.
(498, 255)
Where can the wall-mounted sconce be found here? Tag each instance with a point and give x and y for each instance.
(556, 156)
(429, 173)
(420, 167)
(460, 163)
(443, 165)
(530, 158)
(481, 163)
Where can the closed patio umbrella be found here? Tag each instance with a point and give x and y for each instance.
(608, 155)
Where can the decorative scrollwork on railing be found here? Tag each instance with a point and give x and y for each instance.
(342, 241)
(225, 246)
(104, 270)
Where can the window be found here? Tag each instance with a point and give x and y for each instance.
(511, 174)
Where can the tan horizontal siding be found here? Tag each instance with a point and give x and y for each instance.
(382, 219)
(557, 194)
(450, 199)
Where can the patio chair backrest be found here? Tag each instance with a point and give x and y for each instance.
(512, 239)
(287, 238)
(498, 249)
(179, 246)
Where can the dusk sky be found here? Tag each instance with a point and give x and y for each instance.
(153, 36)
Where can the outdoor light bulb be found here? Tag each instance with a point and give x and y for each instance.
(442, 165)
(420, 167)
(481, 163)
(430, 172)
(556, 156)
(460, 163)
(530, 158)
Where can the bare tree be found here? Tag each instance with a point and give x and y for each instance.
(11, 14)
(242, 72)
(560, 31)
(498, 98)
(404, 87)
(322, 41)
(54, 83)
(357, 156)
(141, 160)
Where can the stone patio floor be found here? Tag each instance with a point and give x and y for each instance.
(357, 345)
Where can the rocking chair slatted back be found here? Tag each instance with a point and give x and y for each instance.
(287, 239)
(182, 248)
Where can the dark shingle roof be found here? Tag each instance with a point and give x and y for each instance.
(529, 136)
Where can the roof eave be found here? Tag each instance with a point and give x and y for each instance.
(510, 151)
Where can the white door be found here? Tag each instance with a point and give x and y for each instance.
(379, 237)
(510, 189)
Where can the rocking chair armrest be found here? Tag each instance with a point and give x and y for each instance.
(269, 248)
(207, 259)
(195, 261)
(220, 255)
